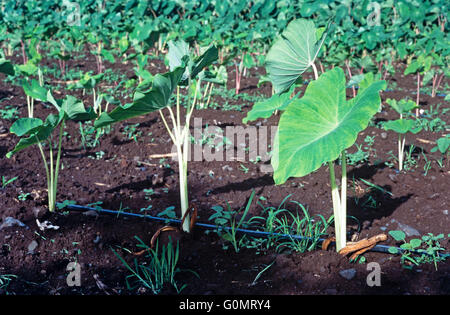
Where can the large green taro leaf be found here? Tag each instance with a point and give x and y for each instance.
(157, 98)
(293, 53)
(318, 127)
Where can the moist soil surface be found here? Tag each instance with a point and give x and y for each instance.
(133, 174)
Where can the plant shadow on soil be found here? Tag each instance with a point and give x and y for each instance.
(382, 202)
(245, 185)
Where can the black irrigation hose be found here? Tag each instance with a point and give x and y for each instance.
(376, 248)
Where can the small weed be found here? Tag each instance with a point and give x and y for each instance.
(23, 196)
(131, 132)
(160, 268)
(5, 281)
(9, 113)
(243, 168)
(418, 251)
(6, 182)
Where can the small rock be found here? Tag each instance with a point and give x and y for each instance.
(227, 168)
(32, 246)
(384, 135)
(91, 213)
(392, 177)
(434, 196)
(409, 231)
(348, 274)
(445, 212)
(97, 239)
(10, 221)
(157, 180)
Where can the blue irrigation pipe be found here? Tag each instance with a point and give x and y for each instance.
(255, 233)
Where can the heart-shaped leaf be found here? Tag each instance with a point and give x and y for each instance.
(403, 106)
(442, 144)
(35, 90)
(402, 126)
(293, 53)
(75, 110)
(398, 235)
(37, 134)
(25, 126)
(318, 127)
(415, 242)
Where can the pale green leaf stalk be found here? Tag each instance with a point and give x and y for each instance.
(39, 131)
(180, 138)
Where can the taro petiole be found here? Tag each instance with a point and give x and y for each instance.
(39, 131)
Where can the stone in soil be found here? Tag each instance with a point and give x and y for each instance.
(348, 274)
(10, 221)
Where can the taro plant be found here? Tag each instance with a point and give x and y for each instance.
(90, 82)
(420, 66)
(443, 145)
(402, 125)
(35, 131)
(183, 70)
(34, 91)
(320, 126)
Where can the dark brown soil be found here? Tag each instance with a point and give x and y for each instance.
(119, 177)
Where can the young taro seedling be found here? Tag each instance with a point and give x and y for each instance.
(443, 145)
(420, 66)
(402, 125)
(320, 126)
(34, 89)
(37, 131)
(183, 70)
